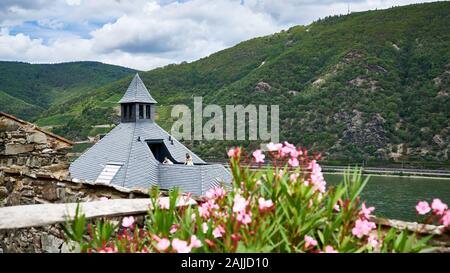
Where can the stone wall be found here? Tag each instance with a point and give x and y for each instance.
(25, 146)
(17, 188)
(34, 170)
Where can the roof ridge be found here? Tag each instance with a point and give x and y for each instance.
(129, 155)
(137, 92)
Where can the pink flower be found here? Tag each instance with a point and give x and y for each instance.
(108, 250)
(205, 227)
(309, 241)
(203, 210)
(294, 153)
(289, 145)
(293, 177)
(218, 232)
(438, 206)
(362, 228)
(195, 243)
(365, 211)
(173, 229)
(230, 152)
(163, 244)
(293, 162)
(423, 207)
(286, 150)
(181, 246)
(264, 204)
(258, 156)
(330, 249)
(445, 220)
(234, 152)
(215, 193)
(103, 198)
(128, 221)
(317, 176)
(239, 203)
(372, 240)
(164, 203)
(244, 218)
(274, 147)
(280, 174)
(336, 208)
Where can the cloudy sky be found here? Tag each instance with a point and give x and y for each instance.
(145, 34)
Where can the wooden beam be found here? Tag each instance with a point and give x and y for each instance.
(48, 214)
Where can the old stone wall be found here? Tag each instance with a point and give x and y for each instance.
(17, 188)
(34, 170)
(25, 146)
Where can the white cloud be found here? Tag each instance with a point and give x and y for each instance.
(145, 34)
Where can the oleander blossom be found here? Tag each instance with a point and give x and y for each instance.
(127, 222)
(310, 242)
(181, 246)
(293, 162)
(423, 207)
(336, 208)
(293, 177)
(195, 242)
(218, 232)
(205, 227)
(163, 244)
(264, 204)
(330, 249)
(164, 203)
(438, 206)
(244, 217)
(258, 156)
(215, 193)
(365, 212)
(317, 179)
(240, 204)
(362, 228)
(373, 242)
(272, 147)
(234, 152)
(445, 220)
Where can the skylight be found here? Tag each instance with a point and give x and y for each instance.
(108, 173)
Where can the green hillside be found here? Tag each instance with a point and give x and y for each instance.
(29, 89)
(371, 85)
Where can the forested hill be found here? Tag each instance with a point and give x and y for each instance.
(369, 85)
(26, 90)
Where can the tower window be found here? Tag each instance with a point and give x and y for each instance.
(124, 111)
(147, 111)
(141, 111)
(130, 111)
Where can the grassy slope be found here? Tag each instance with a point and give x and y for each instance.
(394, 54)
(46, 85)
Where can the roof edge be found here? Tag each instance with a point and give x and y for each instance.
(36, 128)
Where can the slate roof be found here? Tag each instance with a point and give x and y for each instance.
(137, 92)
(140, 169)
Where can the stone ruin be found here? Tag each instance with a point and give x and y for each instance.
(34, 170)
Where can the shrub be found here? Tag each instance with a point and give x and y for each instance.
(286, 208)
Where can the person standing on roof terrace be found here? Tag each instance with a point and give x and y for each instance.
(188, 161)
(167, 161)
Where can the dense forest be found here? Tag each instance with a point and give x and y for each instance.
(365, 86)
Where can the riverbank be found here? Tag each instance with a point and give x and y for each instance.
(397, 172)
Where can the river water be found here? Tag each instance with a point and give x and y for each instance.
(396, 197)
